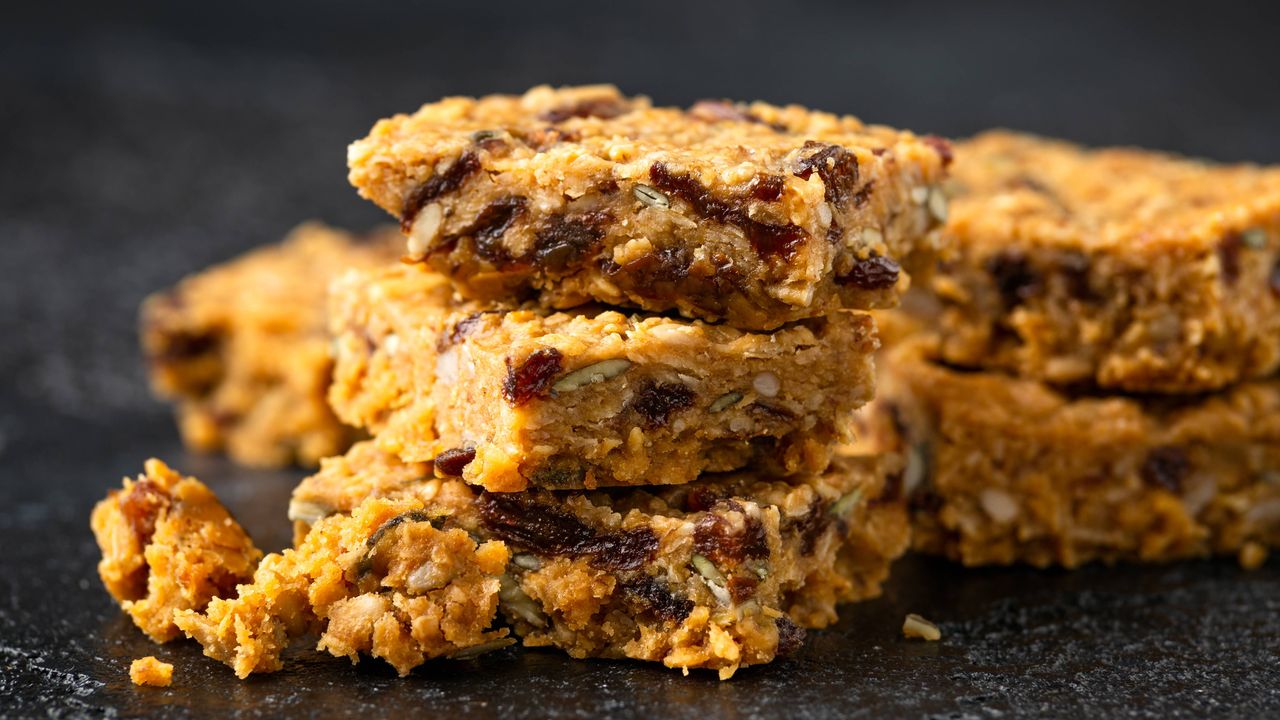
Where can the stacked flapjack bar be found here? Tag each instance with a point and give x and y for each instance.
(1096, 375)
(606, 389)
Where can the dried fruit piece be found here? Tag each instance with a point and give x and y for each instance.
(790, 636)
(532, 377)
(1229, 248)
(565, 240)
(658, 598)
(1166, 467)
(837, 167)
(874, 273)
(1015, 279)
(438, 184)
(547, 528)
(452, 462)
(656, 402)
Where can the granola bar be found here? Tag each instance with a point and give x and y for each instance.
(718, 574)
(748, 213)
(168, 545)
(1006, 470)
(1126, 269)
(516, 396)
(243, 351)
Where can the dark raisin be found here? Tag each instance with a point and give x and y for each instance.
(837, 167)
(595, 107)
(525, 520)
(182, 345)
(1229, 248)
(927, 501)
(656, 402)
(717, 538)
(700, 499)
(439, 184)
(453, 462)
(835, 233)
(790, 636)
(811, 526)
(766, 188)
(532, 377)
(724, 110)
(768, 239)
(1275, 279)
(461, 330)
(1166, 467)
(892, 491)
(1074, 268)
(742, 587)
(861, 197)
(940, 145)
(657, 597)
(141, 507)
(1015, 279)
(668, 265)
(564, 241)
(874, 273)
(491, 224)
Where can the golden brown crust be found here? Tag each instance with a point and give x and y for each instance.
(753, 214)
(1007, 470)
(243, 349)
(1127, 269)
(168, 545)
(716, 574)
(515, 397)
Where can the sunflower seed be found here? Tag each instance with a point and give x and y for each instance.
(724, 402)
(651, 196)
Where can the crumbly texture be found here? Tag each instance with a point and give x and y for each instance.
(1125, 269)
(716, 574)
(150, 671)
(511, 397)
(1005, 470)
(243, 352)
(749, 213)
(387, 581)
(168, 545)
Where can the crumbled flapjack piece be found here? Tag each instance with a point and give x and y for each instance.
(388, 580)
(168, 545)
(150, 671)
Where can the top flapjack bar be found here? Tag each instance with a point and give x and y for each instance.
(1125, 269)
(754, 214)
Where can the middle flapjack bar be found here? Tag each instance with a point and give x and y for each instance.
(511, 396)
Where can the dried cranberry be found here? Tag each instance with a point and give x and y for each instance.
(452, 462)
(790, 636)
(461, 330)
(532, 377)
(940, 145)
(439, 184)
(564, 241)
(742, 587)
(658, 598)
(1015, 279)
(1166, 467)
(595, 107)
(717, 538)
(656, 402)
(141, 507)
(837, 167)
(1229, 248)
(874, 273)
(768, 239)
(766, 188)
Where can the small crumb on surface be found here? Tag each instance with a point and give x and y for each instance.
(917, 627)
(150, 671)
(1252, 556)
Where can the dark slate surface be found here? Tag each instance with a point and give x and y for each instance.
(138, 145)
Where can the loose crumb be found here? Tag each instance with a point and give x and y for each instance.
(1252, 556)
(150, 671)
(917, 627)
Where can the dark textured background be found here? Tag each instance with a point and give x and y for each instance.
(138, 145)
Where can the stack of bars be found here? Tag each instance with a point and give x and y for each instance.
(1091, 375)
(607, 392)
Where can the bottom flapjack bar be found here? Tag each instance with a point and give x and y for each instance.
(1003, 470)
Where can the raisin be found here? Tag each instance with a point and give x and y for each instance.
(1229, 257)
(1074, 268)
(940, 145)
(790, 636)
(185, 345)
(563, 242)
(724, 110)
(544, 138)
(811, 526)
(604, 108)
(874, 273)
(1015, 279)
(668, 265)
(532, 377)
(142, 506)
(742, 587)
(656, 596)
(768, 239)
(1166, 467)
(489, 226)
(1275, 279)
(460, 331)
(715, 537)
(439, 184)
(453, 462)
(837, 167)
(541, 526)
(766, 188)
(656, 402)
(861, 197)
(700, 499)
